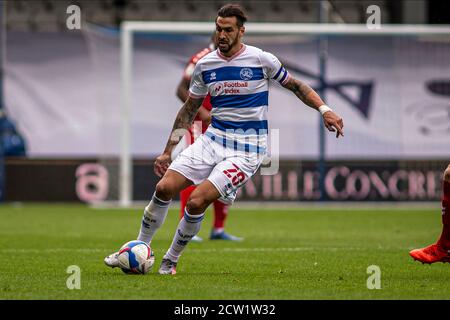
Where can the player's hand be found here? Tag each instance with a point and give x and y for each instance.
(333, 123)
(161, 165)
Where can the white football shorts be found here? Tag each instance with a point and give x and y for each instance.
(227, 169)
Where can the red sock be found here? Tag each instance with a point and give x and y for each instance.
(220, 214)
(184, 197)
(444, 240)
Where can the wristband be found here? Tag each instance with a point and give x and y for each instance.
(324, 108)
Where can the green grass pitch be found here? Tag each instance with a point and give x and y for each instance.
(287, 254)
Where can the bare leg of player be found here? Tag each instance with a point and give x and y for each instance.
(189, 225)
(156, 211)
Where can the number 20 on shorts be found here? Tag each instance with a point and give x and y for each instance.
(235, 174)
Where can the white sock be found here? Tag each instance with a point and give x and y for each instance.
(154, 215)
(187, 228)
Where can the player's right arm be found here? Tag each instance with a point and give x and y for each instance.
(183, 93)
(182, 123)
(184, 119)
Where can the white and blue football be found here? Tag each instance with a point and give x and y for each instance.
(136, 257)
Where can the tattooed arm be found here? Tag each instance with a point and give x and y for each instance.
(183, 122)
(305, 93)
(183, 93)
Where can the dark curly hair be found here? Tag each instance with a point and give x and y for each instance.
(233, 10)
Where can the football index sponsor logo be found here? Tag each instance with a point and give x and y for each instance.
(233, 87)
(246, 74)
(218, 88)
(229, 87)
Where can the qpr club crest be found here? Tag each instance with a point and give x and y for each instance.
(246, 74)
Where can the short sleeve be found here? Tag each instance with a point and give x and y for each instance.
(273, 67)
(197, 88)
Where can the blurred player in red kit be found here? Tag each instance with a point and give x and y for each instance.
(439, 251)
(203, 116)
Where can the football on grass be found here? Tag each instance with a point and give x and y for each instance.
(136, 257)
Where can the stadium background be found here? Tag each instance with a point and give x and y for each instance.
(62, 99)
(61, 137)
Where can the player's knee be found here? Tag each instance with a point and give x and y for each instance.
(196, 204)
(164, 190)
(447, 173)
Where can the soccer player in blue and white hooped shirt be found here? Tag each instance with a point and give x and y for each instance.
(230, 151)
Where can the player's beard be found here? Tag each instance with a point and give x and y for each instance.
(229, 45)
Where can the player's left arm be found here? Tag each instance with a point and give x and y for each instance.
(305, 93)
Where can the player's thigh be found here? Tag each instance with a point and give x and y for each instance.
(171, 184)
(196, 162)
(203, 195)
(207, 191)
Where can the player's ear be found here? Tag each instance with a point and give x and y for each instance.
(241, 31)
